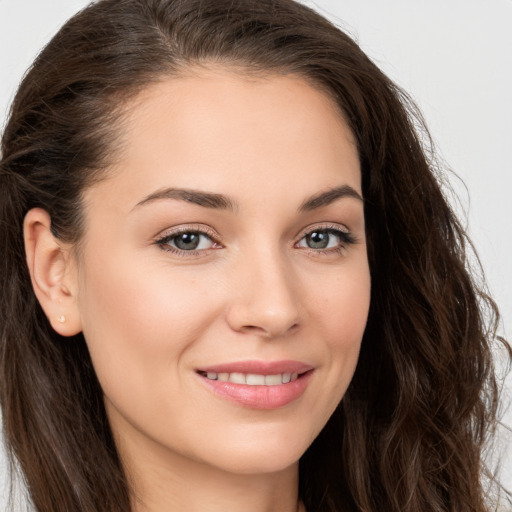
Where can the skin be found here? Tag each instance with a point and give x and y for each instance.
(254, 290)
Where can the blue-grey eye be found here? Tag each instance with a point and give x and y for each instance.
(323, 239)
(188, 241)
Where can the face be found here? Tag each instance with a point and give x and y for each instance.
(223, 285)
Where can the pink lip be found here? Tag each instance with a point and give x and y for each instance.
(259, 367)
(260, 397)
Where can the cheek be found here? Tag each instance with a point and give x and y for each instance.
(138, 321)
(341, 314)
(341, 304)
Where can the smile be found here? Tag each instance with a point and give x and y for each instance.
(257, 384)
(252, 379)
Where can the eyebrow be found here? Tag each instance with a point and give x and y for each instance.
(205, 199)
(222, 202)
(328, 197)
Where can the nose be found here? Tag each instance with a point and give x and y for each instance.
(266, 299)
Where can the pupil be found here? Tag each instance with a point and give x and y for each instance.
(187, 241)
(318, 239)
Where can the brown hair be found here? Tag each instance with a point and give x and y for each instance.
(408, 435)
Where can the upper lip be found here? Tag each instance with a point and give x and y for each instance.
(259, 367)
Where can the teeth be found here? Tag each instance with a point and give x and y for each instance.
(237, 378)
(273, 380)
(253, 379)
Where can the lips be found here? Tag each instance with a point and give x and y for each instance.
(258, 384)
(259, 367)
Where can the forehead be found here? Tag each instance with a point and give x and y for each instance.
(219, 129)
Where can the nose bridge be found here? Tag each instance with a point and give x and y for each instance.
(265, 299)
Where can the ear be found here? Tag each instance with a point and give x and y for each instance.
(53, 273)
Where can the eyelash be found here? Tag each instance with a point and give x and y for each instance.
(346, 239)
(164, 241)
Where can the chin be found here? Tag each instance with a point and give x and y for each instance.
(272, 454)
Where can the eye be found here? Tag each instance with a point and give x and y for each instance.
(323, 238)
(187, 241)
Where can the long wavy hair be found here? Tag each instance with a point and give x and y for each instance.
(408, 435)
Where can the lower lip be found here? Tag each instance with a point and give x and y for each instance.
(260, 397)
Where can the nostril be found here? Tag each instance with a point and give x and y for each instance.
(256, 329)
(270, 332)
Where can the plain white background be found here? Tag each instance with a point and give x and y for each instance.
(454, 58)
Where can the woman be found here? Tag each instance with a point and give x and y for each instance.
(230, 276)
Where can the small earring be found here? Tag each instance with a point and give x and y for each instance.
(62, 319)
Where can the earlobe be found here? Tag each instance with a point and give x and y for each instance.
(52, 273)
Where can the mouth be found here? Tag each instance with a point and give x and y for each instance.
(252, 379)
(258, 385)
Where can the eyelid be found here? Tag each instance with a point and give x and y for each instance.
(325, 227)
(186, 228)
(162, 238)
(346, 237)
